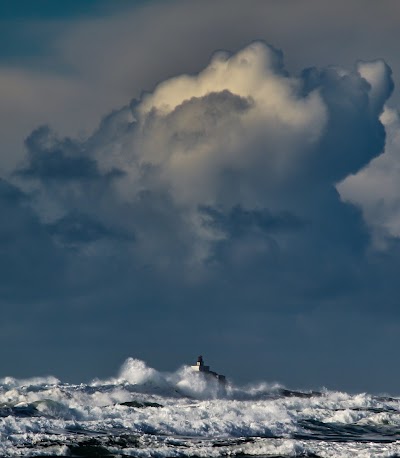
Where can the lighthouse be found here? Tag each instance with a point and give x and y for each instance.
(201, 367)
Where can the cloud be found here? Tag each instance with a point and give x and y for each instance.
(29, 260)
(74, 229)
(33, 98)
(237, 162)
(238, 221)
(53, 159)
(375, 189)
(199, 145)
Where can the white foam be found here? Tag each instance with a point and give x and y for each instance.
(9, 382)
(137, 372)
(195, 413)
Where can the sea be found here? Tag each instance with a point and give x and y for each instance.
(146, 413)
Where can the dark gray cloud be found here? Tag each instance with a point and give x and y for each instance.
(239, 221)
(75, 229)
(29, 261)
(52, 159)
(362, 136)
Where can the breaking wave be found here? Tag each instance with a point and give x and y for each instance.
(142, 412)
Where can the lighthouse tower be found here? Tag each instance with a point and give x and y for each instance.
(200, 367)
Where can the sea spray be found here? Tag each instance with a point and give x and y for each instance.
(144, 412)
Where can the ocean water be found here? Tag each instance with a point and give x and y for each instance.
(145, 413)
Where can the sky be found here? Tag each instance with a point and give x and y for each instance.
(220, 178)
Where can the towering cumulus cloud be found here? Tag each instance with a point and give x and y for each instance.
(234, 165)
